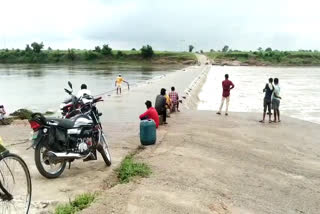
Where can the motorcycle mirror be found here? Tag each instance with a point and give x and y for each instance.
(70, 84)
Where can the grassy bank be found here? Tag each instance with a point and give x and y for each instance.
(281, 58)
(95, 56)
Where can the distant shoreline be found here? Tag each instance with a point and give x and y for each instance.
(264, 58)
(94, 57)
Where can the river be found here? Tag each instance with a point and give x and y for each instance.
(300, 90)
(40, 87)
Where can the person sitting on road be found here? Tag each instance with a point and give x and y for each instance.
(2, 112)
(160, 105)
(118, 83)
(174, 99)
(83, 91)
(169, 104)
(151, 113)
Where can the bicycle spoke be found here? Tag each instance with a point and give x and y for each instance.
(15, 178)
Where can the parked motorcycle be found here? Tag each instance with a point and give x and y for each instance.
(61, 141)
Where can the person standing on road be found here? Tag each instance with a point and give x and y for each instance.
(227, 85)
(2, 112)
(174, 99)
(118, 83)
(268, 89)
(276, 100)
(160, 105)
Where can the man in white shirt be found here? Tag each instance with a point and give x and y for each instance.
(276, 100)
(83, 91)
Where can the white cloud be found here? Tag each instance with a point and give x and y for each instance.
(165, 24)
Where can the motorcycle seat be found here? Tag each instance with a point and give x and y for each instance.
(63, 123)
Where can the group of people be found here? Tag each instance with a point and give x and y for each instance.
(271, 100)
(164, 104)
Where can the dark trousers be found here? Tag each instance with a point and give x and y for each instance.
(164, 114)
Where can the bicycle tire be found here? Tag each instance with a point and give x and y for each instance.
(24, 166)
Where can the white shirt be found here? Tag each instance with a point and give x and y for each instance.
(276, 91)
(82, 92)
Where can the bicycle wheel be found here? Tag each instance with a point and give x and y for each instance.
(15, 178)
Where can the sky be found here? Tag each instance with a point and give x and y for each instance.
(165, 25)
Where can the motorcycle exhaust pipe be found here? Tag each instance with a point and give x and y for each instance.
(64, 155)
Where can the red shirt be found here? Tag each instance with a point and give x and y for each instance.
(226, 87)
(151, 113)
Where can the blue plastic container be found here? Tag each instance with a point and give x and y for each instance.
(148, 134)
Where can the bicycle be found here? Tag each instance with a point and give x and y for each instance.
(15, 183)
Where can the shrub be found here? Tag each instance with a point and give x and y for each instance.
(106, 50)
(147, 52)
(97, 49)
(129, 169)
(22, 114)
(71, 55)
(90, 55)
(37, 47)
(120, 54)
(225, 48)
(191, 47)
(79, 203)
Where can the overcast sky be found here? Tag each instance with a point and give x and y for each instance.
(164, 24)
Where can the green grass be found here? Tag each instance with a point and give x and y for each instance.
(130, 169)
(79, 203)
(295, 58)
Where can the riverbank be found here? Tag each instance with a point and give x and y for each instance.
(265, 58)
(121, 125)
(206, 163)
(95, 57)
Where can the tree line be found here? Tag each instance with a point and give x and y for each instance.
(35, 53)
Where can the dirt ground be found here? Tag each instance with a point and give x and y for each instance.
(207, 163)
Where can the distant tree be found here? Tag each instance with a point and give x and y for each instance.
(260, 49)
(28, 49)
(97, 49)
(225, 48)
(49, 49)
(268, 49)
(106, 50)
(133, 49)
(201, 51)
(211, 50)
(191, 48)
(91, 55)
(120, 54)
(71, 54)
(146, 51)
(37, 47)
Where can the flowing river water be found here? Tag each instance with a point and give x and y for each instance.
(300, 90)
(40, 87)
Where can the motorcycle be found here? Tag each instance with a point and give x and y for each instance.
(60, 141)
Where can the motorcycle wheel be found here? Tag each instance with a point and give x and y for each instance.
(104, 150)
(47, 169)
